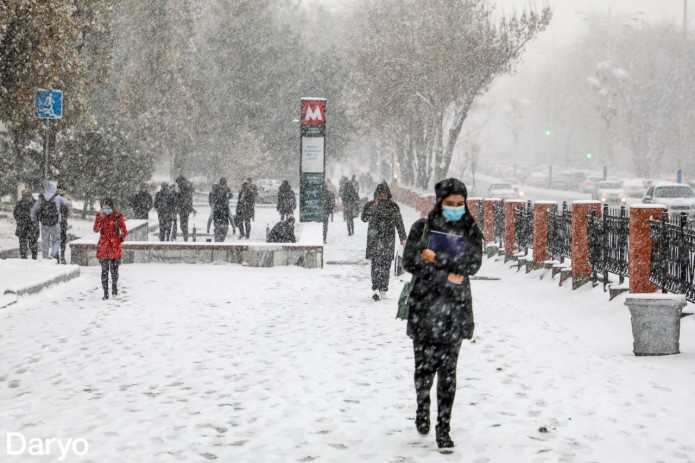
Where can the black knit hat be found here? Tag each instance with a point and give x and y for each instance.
(445, 188)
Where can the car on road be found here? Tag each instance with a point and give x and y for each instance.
(635, 187)
(610, 192)
(563, 182)
(676, 197)
(502, 191)
(516, 184)
(591, 182)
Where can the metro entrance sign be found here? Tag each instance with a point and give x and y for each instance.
(312, 164)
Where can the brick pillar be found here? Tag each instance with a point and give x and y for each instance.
(473, 210)
(540, 231)
(489, 219)
(425, 204)
(510, 226)
(581, 270)
(641, 247)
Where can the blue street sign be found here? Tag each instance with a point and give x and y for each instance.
(49, 105)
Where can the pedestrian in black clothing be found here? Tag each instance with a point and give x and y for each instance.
(184, 203)
(28, 234)
(142, 203)
(165, 205)
(245, 210)
(221, 216)
(385, 220)
(355, 184)
(328, 206)
(63, 223)
(287, 200)
(350, 200)
(282, 232)
(441, 307)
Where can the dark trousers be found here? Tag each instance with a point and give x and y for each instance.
(63, 239)
(350, 222)
(174, 225)
(221, 227)
(244, 227)
(441, 360)
(381, 269)
(28, 242)
(325, 226)
(164, 228)
(183, 221)
(109, 265)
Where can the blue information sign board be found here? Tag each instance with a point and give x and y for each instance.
(49, 104)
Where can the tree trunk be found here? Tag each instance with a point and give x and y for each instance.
(460, 115)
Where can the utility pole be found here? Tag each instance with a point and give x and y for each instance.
(681, 141)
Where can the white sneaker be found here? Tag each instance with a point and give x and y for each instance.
(376, 296)
(382, 294)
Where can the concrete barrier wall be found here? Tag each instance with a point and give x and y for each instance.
(261, 255)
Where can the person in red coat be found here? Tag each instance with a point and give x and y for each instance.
(110, 225)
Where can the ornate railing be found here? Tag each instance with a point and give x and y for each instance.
(560, 234)
(498, 227)
(673, 255)
(523, 219)
(609, 244)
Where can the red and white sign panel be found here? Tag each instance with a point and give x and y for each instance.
(313, 112)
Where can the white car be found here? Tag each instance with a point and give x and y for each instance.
(676, 197)
(590, 184)
(610, 192)
(502, 191)
(516, 184)
(635, 187)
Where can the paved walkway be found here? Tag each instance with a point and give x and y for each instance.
(199, 363)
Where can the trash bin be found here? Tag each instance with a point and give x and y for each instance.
(656, 322)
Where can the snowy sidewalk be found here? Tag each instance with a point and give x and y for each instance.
(193, 363)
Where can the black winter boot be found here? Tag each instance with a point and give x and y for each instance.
(422, 421)
(444, 442)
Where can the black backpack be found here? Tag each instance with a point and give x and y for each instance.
(48, 214)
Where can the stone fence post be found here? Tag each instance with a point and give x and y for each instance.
(510, 227)
(641, 247)
(489, 219)
(581, 270)
(540, 231)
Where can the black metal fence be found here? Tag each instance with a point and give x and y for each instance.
(523, 232)
(673, 255)
(481, 213)
(609, 244)
(498, 227)
(560, 234)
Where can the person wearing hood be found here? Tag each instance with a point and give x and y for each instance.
(47, 212)
(184, 203)
(63, 223)
(350, 200)
(142, 203)
(385, 220)
(165, 205)
(440, 311)
(283, 232)
(27, 234)
(287, 200)
(110, 224)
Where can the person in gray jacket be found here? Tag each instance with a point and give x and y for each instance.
(46, 211)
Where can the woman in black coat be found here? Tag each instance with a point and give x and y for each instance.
(28, 234)
(385, 220)
(440, 310)
(287, 200)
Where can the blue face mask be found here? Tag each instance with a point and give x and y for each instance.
(108, 211)
(453, 214)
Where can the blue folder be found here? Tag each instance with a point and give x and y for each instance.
(453, 245)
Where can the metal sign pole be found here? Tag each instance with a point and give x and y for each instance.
(46, 154)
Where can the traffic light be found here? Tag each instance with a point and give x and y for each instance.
(588, 155)
(548, 133)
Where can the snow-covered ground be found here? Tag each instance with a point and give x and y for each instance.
(195, 363)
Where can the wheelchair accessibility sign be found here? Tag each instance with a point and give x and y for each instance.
(49, 105)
